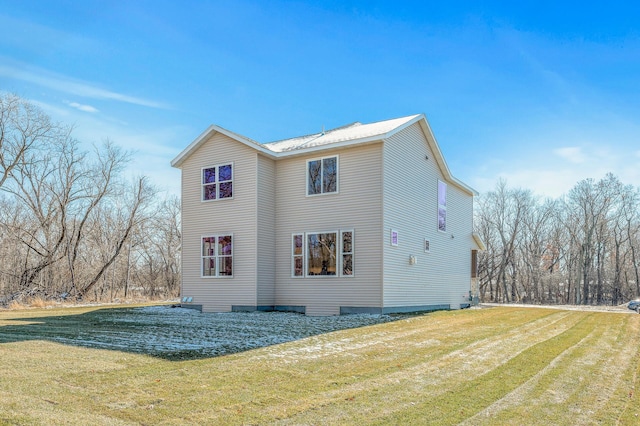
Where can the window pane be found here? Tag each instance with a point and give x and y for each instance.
(442, 219)
(442, 206)
(209, 192)
(226, 268)
(226, 190)
(297, 266)
(297, 244)
(321, 254)
(347, 264)
(224, 245)
(347, 244)
(314, 177)
(209, 175)
(209, 267)
(224, 172)
(330, 174)
(442, 194)
(208, 246)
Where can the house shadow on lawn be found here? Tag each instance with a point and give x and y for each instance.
(178, 334)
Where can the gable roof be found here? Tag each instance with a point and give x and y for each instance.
(351, 134)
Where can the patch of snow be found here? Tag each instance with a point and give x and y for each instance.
(187, 333)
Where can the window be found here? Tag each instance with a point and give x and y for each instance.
(393, 237)
(322, 254)
(322, 176)
(217, 256)
(347, 253)
(442, 206)
(298, 255)
(217, 182)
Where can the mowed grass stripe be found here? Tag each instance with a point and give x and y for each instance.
(620, 373)
(545, 397)
(441, 368)
(244, 384)
(471, 396)
(427, 375)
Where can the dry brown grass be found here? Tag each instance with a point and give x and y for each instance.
(38, 302)
(15, 305)
(491, 366)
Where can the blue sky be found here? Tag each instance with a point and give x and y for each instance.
(542, 94)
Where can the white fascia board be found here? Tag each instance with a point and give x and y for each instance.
(433, 143)
(330, 146)
(176, 162)
(420, 118)
(478, 241)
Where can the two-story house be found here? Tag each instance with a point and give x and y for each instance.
(362, 218)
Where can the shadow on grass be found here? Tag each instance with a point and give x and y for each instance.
(178, 334)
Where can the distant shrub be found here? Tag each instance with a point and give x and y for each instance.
(14, 305)
(38, 302)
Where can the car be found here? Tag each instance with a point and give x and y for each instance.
(634, 305)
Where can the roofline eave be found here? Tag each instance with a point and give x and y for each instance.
(433, 143)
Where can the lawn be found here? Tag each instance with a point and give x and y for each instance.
(158, 365)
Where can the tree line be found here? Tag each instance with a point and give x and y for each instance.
(71, 225)
(582, 248)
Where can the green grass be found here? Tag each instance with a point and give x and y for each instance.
(502, 365)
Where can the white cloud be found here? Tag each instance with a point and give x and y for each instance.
(553, 176)
(150, 145)
(573, 154)
(81, 107)
(70, 86)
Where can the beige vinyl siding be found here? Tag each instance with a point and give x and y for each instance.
(357, 207)
(266, 222)
(441, 276)
(235, 216)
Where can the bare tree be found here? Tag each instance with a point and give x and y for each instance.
(23, 126)
(69, 222)
(131, 213)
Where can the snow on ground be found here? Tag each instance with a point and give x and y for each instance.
(179, 333)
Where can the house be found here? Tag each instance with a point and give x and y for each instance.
(365, 218)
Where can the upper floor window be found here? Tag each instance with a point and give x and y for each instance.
(442, 206)
(322, 176)
(217, 182)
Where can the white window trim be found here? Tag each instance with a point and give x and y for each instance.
(293, 256)
(438, 206)
(391, 232)
(306, 254)
(352, 253)
(217, 183)
(339, 254)
(216, 256)
(306, 170)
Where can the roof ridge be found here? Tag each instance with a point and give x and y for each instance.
(316, 135)
(346, 126)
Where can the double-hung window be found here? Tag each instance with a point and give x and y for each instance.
(322, 176)
(323, 254)
(217, 182)
(217, 256)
